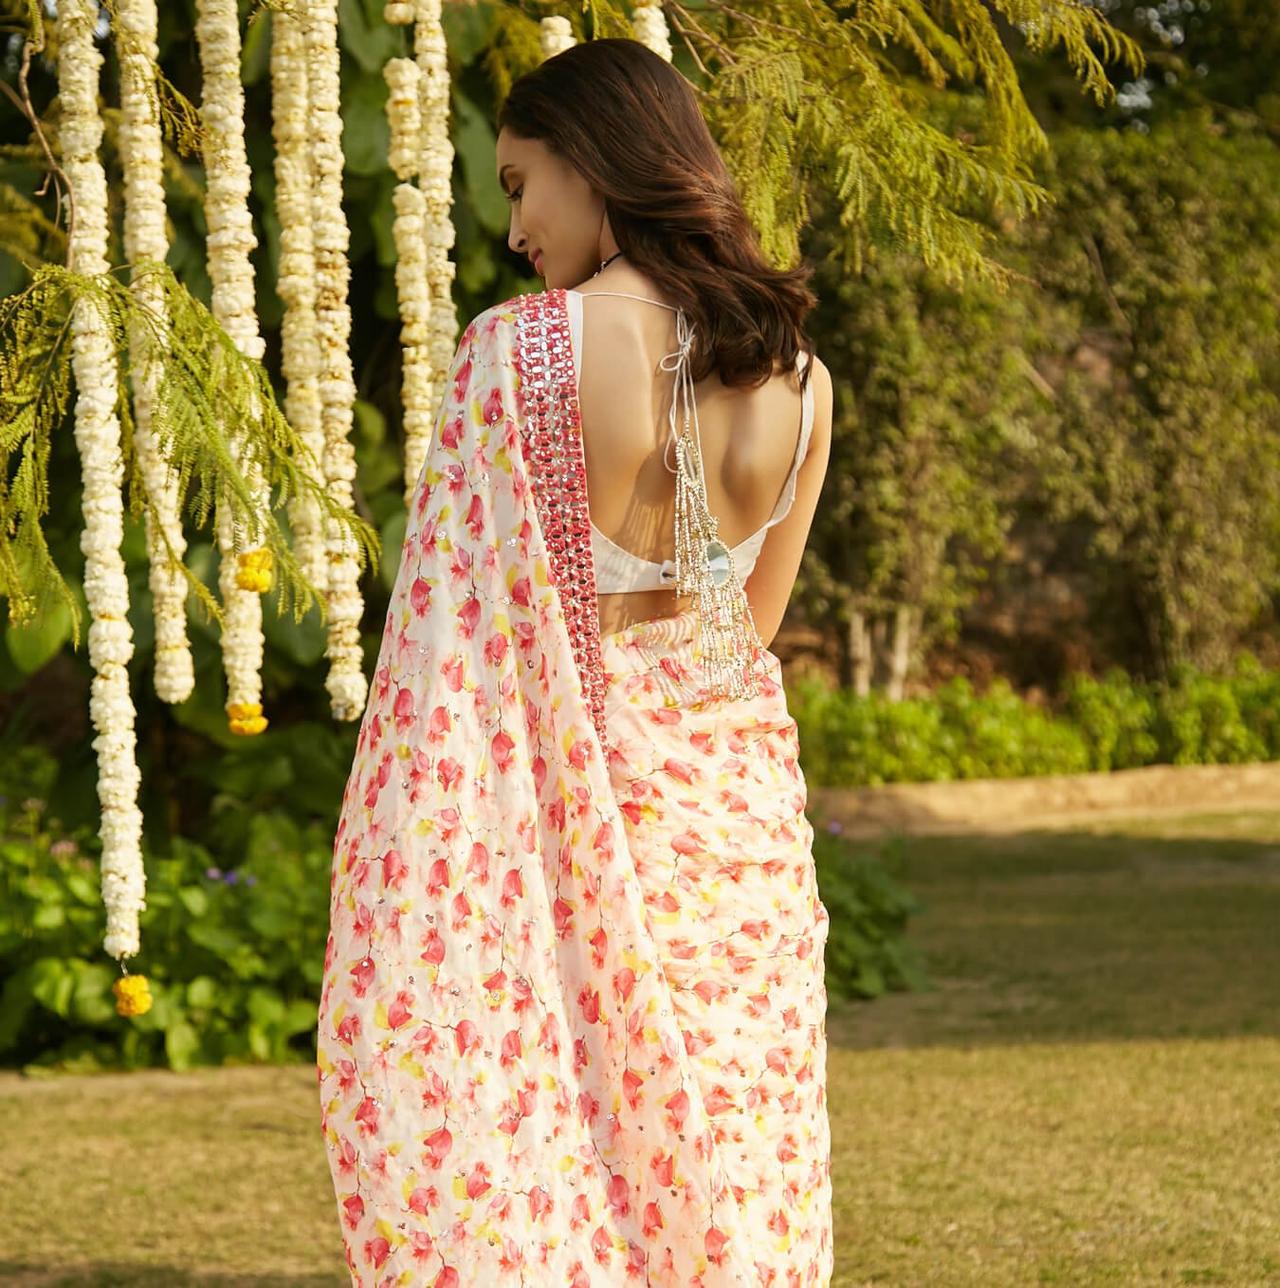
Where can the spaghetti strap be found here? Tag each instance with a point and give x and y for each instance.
(676, 361)
(626, 295)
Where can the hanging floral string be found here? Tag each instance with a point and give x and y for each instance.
(555, 35)
(345, 682)
(435, 170)
(403, 116)
(144, 238)
(413, 290)
(650, 25)
(98, 440)
(245, 572)
(300, 352)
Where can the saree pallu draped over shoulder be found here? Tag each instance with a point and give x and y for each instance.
(572, 1019)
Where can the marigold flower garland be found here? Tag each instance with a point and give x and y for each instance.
(346, 683)
(98, 440)
(144, 238)
(244, 572)
(300, 351)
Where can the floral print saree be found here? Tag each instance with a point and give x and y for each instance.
(572, 1020)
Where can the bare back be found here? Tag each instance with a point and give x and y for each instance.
(749, 440)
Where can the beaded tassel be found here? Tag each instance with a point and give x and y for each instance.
(727, 645)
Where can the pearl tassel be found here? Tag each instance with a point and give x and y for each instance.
(728, 646)
(97, 435)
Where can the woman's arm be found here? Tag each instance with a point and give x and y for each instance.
(771, 581)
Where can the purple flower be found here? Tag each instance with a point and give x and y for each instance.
(251, 879)
(232, 878)
(835, 827)
(214, 874)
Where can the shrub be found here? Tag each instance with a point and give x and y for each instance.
(234, 956)
(867, 952)
(1102, 724)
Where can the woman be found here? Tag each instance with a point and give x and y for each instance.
(572, 1024)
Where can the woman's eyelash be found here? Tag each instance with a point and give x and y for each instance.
(514, 196)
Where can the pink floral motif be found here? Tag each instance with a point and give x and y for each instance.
(572, 1019)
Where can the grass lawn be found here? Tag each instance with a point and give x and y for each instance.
(1091, 1095)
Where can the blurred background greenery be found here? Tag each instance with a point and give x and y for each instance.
(1049, 540)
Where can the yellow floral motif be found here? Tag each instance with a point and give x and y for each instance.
(133, 995)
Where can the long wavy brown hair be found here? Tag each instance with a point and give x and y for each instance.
(630, 123)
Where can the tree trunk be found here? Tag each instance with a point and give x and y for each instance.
(900, 657)
(860, 658)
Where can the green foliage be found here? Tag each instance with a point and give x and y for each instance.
(1161, 270)
(848, 741)
(1218, 57)
(1116, 718)
(831, 93)
(822, 92)
(1115, 417)
(234, 956)
(933, 435)
(215, 419)
(26, 232)
(1203, 720)
(1103, 724)
(234, 951)
(867, 952)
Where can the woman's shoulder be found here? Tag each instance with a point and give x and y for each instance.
(505, 310)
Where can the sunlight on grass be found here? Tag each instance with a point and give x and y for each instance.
(1088, 1096)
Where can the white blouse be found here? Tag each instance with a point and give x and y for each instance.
(618, 570)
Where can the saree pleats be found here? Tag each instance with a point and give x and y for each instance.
(713, 801)
(570, 1026)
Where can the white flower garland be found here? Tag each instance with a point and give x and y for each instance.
(413, 291)
(97, 432)
(417, 381)
(435, 170)
(403, 115)
(555, 35)
(243, 572)
(144, 238)
(348, 689)
(650, 25)
(296, 285)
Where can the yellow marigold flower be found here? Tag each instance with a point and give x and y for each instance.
(254, 570)
(246, 717)
(133, 995)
